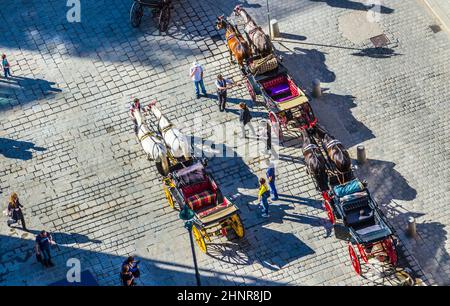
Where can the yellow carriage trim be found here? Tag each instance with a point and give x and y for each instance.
(199, 239)
(285, 105)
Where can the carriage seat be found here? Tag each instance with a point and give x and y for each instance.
(358, 216)
(279, 89)
(356, 208)
(202, 200)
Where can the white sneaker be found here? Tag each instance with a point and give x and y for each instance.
(265, 215)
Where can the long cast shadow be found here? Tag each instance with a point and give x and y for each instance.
(17, 149)
(352, 5)
(19, 253)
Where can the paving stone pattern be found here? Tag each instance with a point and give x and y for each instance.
(67, 145)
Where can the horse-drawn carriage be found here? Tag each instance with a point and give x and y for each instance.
(287, 104)
(186, 183)
(189, 183)
(368, 232)
(160, 10)
(266, 76)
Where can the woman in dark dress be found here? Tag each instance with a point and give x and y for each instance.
(15, 210)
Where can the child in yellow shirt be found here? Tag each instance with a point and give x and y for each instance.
(263, 196)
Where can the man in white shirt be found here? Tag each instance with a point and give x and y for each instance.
(222, 85)
(196, 74)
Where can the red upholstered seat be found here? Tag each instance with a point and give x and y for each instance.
(202, 200)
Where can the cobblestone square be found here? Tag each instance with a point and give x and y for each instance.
(67, 145)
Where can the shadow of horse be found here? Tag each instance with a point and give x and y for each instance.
(16, 149)
(378, 53)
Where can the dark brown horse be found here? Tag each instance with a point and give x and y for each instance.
(315, 162)
(336, 151)
(237, 46)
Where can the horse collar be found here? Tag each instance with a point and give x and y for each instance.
(333, 143)
(310, 147)
(231, 36)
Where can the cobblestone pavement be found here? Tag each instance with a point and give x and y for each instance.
(67, 146)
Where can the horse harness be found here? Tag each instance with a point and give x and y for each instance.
(333, 143)
(311, 147)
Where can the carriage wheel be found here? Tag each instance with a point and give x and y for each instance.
(362, 253)
(391, 251)
(169, 196)
(250, 89)
(136, 13)
(164, 18)
(355, 260)
(199, 238)
(329, 212)
(237, 226)
(275, 125)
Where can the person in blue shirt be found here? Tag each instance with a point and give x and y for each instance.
(196, 74)
(270, 174)
(6, 66)
(43, 242)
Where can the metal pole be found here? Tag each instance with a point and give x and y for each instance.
(268, 19)
(197, 274)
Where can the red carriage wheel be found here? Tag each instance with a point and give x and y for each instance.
(250, 89)
(391, 251)
(355, 260)
(329, 212)
(362, 253)
(276, 127)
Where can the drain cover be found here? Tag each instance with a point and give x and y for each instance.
(110, 129)
(380, 41)
(435, 28)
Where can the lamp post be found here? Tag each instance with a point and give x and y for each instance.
(268, 19)
(187, 215)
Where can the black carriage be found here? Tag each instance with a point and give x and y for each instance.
(352, 207)
(161, 10)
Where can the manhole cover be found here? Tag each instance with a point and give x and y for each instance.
(435, 28)
(380, 41)
(216, 37)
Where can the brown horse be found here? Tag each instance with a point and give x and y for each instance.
(237, 46)
(336, 151)
(255, 34)
(315, 162)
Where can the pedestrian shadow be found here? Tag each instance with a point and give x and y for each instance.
(279, 214)
(17, 149)
(24, 90)
(378, 53)
(385, 182)
(352, 5)
(253, 249)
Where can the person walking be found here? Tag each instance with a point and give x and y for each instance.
(6, 66)
(132, 266)
(244, 117)
(127, 277)
(222, 85)
(136, 105)
(263, 196)
(270, 174)
(15, 211)
(196, 74)
(42, 247)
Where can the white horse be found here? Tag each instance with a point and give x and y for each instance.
(151, 144)
(176, 141)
